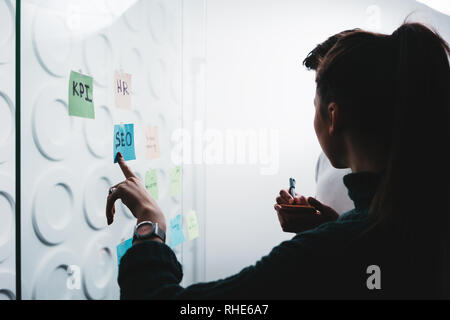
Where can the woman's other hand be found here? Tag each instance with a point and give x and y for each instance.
(133, 194)
(286, 198)
(300, 219)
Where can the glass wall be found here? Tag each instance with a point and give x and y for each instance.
(132, 47)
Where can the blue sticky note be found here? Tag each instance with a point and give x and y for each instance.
(176, 231)
(122, 249)
(124, 141)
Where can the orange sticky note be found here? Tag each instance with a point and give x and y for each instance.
(152, 142)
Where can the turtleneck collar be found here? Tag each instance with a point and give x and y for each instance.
(362, 187)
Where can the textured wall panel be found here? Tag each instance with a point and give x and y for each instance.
(7, 151)
(7, 217)
(52, 41)
(67, 165)
(6, 31)
(6, 126)
(54, 197)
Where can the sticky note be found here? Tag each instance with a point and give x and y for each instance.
(152, 142)
(81, 95)
(175, 181)
(192, 225)
(122, 249)
(124, 141)
(122, 89)
(151, 183)
(176, 231)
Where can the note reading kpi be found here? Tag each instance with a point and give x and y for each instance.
(81, 95)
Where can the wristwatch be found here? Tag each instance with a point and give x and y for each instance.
(147, 229)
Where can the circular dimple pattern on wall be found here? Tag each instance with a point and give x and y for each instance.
(95, 194)
(157, 77)
(98, 53)
(163, 134)
(7, 216)
(134, 17)
(99, 267)
(127, 232)
(139, 134)
(51, 124)
(98, 133)
(52, 41)
(52, 276)
(6, 126)
(53, 202)
(157, 21)
(53, 205)
(7, 285)
(6, 30)
(132, 62)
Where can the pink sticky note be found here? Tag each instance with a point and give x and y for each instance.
(152, 142)
(122, 89)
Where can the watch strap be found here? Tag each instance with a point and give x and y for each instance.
(159, 232)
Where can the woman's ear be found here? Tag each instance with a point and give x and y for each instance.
(335, 118)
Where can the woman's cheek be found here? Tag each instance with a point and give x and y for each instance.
(317, 126)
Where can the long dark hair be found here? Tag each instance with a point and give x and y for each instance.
(395, 92)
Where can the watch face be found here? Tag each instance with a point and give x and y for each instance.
(144, 229)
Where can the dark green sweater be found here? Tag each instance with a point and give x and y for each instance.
(327, 262)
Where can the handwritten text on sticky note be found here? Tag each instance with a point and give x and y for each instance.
(151, 183)
(192, 225)
(124, 141)
(81, 95)
(152, 142)
(176, 231)
(175, 180)
(122, 91)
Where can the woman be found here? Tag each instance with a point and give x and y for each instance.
(330, 188)
(382, 109)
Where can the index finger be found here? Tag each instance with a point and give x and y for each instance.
(125, 169)
(286, 196)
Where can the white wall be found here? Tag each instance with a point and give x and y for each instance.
(255, 79)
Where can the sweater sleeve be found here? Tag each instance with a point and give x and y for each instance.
(150, 270)
(310, 265)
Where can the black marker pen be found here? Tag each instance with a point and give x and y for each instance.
(292, 187)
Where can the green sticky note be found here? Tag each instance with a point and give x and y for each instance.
(192, 225)
(151, 183)
(81, 103)
(175, 181)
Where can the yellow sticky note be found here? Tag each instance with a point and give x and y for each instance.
(175, 181)
(152, 142)
(192, 225)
